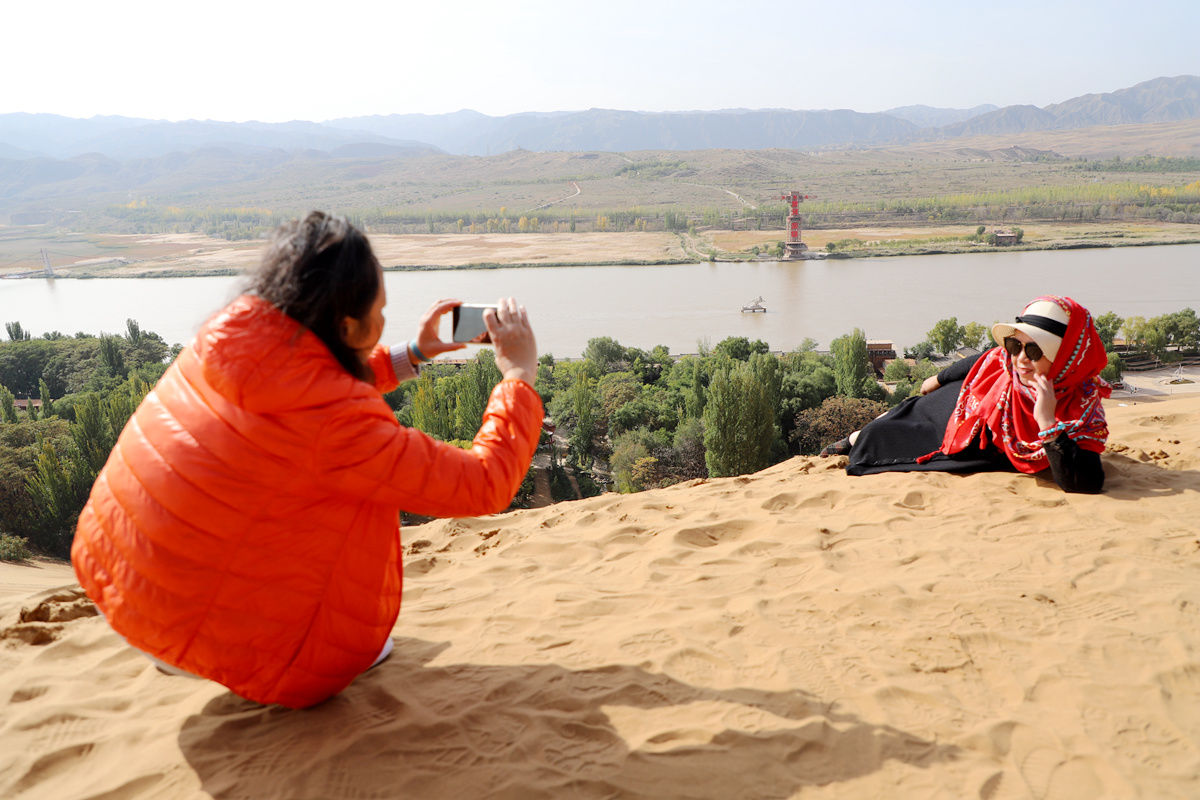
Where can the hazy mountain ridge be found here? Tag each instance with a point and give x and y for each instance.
(1157, 100)
(123, 138)
(469, 133)
(26, 136)
(930, 117)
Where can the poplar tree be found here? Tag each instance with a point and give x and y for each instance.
(850, 363)
(47, 403)
(586, 403)
(474, 386)
(739, 418)
(429, 413)
(8, 411)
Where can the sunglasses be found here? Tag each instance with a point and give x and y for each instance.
(1013, 345)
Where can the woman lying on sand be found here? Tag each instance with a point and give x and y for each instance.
(1032, 403)
(245, 527)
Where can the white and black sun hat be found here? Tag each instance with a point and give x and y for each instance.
(1044, 321)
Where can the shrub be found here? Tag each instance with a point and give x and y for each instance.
(1115, 368)
(14, 548)
(836, 419)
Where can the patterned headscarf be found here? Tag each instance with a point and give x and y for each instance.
(992, 399)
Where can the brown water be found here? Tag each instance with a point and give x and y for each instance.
(898, 299)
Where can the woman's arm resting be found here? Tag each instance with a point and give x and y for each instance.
(1074, 469)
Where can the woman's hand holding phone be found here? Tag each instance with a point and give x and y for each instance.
(512, 336)
(428, 339)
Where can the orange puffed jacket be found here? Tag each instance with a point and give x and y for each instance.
(245, 527)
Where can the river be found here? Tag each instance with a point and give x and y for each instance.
(895, 299)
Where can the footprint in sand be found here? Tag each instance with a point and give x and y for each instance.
(692, 666)
(1180, 687)
(780, 502)
(913, 500)
(822, 500)
(1047, 771)
(643, 645)
(710, 535)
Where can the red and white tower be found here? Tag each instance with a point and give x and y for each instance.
(793, 248)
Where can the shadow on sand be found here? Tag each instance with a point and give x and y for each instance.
(408, 729)
(1128, 478)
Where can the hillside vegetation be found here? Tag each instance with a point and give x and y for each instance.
(241, 195)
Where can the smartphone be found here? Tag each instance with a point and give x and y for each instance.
(468, 324)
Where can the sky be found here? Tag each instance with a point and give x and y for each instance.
(275, 61)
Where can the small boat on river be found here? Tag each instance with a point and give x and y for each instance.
(755, 307)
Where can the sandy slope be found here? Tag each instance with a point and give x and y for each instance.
(791, 633)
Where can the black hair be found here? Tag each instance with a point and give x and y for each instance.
(319, 271)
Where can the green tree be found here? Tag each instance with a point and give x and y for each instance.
(809, 389)
(133, 332)
(1107, 325)
(740, 348)
(47, 402)
(739, 421)
(653, 408)
(473, 388)
(920, 350)
(55, 488)
(1134, 331)
(15, 332)
(1156, 336)
(946, 335)
(649, 473)
(546, 383)
(629, 449)
(1115, 369)
(1183, 328)
(20, 446)
(8, 410)
(897, 370)
(850, 363)
(615, 389)
(975, 334)
(428, 412)
(586, 405)
(697, 396)
(62, 481)
(604, 352)
(922, 370)
(112, 356)
(902, 392)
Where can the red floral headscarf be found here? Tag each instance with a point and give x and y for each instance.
(993, 400)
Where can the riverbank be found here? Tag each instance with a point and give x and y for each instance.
(882, 241)
(192, 255)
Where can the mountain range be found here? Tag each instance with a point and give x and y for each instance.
(27, 137)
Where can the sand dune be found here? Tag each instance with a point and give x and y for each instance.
(794, 633)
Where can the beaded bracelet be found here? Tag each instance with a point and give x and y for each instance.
(416, 351)
(1053, 431)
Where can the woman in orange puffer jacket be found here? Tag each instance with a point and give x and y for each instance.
(245, 528)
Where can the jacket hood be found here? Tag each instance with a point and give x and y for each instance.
(262, 360)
